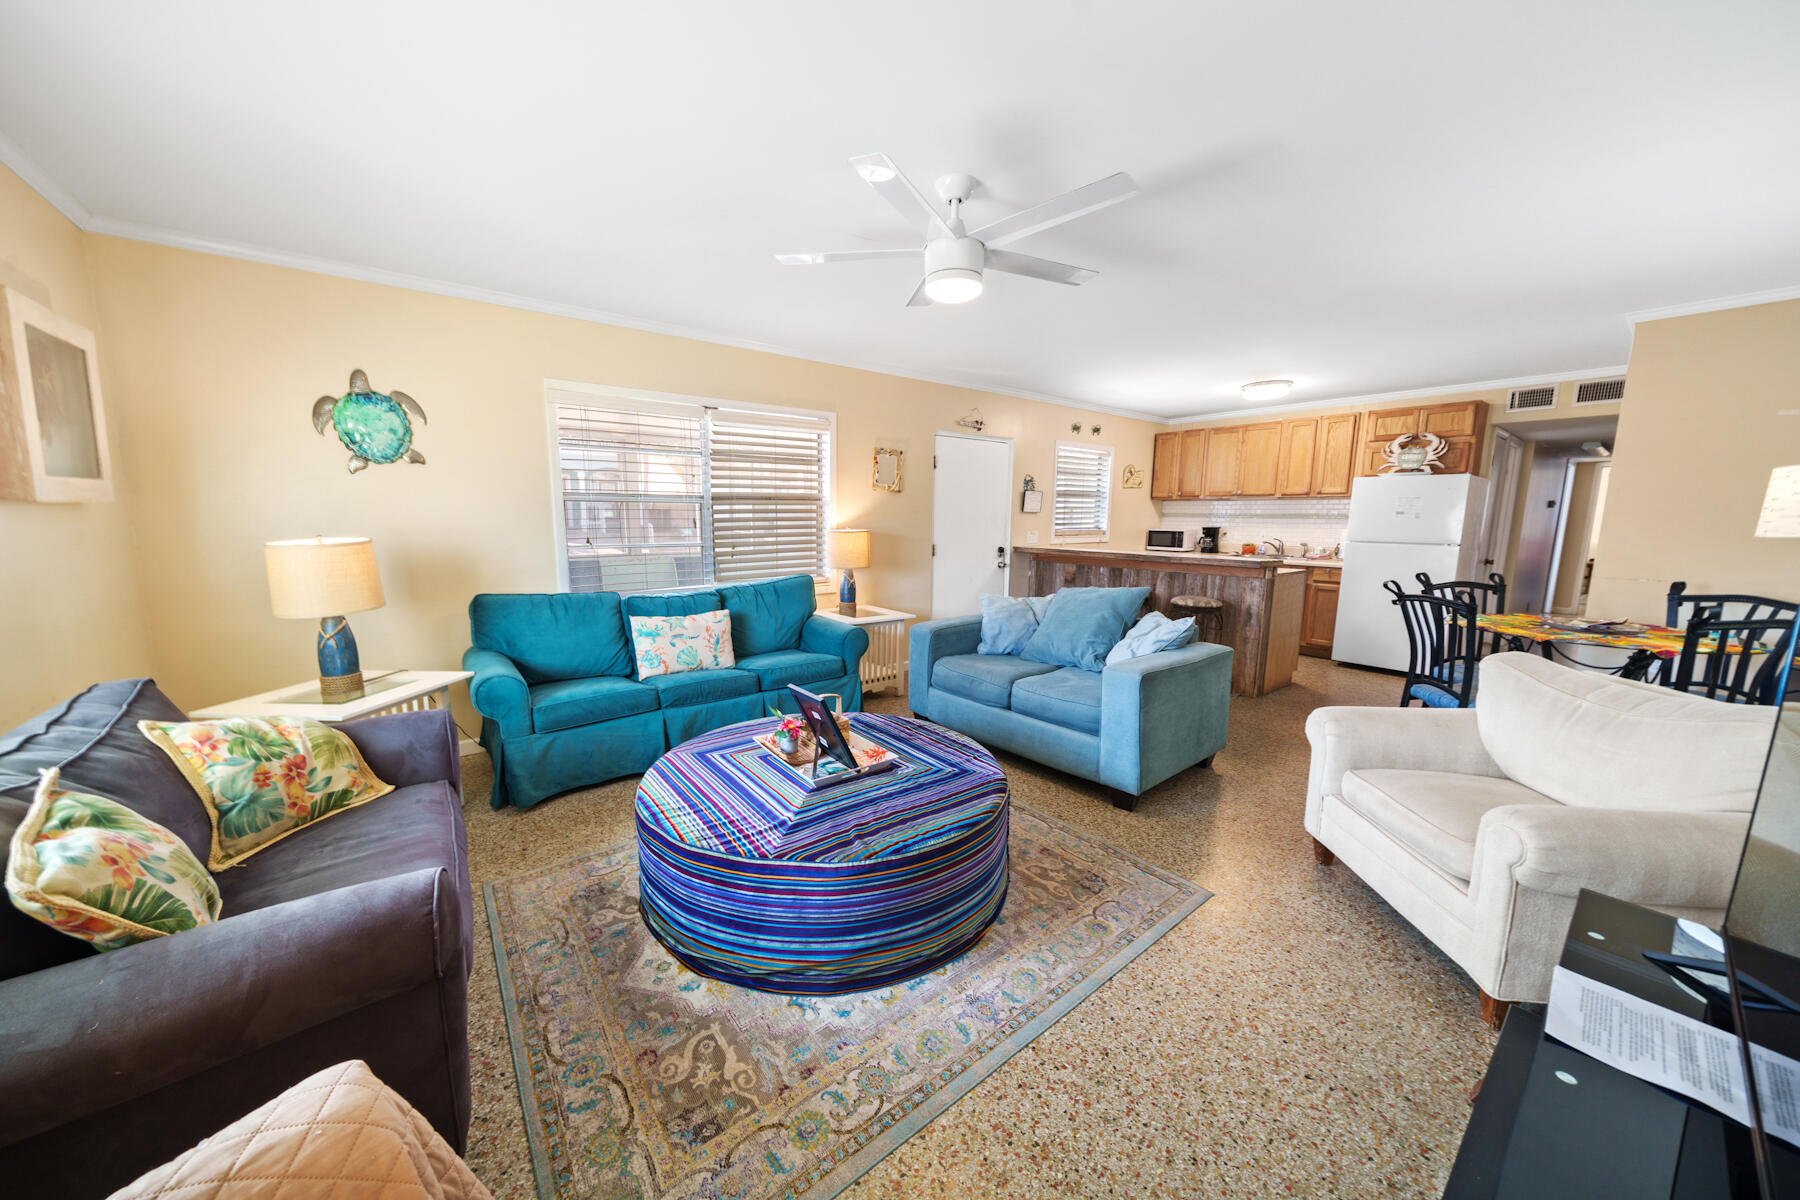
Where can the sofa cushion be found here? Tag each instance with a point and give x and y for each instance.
(1153, 634)
(782, 667)
(691, 642)
(672, 604)
(563, 635)
(1007, 623)
(1082, 625)
(985, 678)
(701, 687)
(1434, 813)
(566, 703)
(1069, 697)
(1588, 738)
(768, 616)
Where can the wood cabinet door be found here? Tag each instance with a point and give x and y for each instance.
(1336, 462)
(1165, 467)
(1458, 459)
(1260, 459)
(1452, 420)
(1318, 622)
(1193, 465)
(1386, 424)
(1299, 445)
(1224, 452)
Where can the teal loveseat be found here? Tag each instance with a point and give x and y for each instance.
(561, 703)
(1129, 726)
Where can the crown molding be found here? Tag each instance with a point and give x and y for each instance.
(1744, 300)
(1446, 389)
(38, 180)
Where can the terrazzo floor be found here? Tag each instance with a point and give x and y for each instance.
(1293, 1037)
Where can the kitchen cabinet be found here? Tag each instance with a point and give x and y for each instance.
(1224, 458)
(1259, 463)
(1336, 460)
(1193, 463)
(1165, 467)
(1299, 450)
(1318, 620)
(1460, 425)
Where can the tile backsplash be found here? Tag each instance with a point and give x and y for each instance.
(1317, 523)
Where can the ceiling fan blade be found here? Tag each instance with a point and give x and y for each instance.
(919, 298)
(833, 256)
(1066, 207)
(1014, 263)
(880, 173)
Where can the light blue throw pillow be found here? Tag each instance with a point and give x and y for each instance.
(1155, 632)
(1082, 625)
(1007, 623)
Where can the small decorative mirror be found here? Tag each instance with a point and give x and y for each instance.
(887, 469)
(52, 425)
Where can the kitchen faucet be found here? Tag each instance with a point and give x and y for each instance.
(1277, 545)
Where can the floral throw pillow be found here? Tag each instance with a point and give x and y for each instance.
(670, 645)
(263, 778)
(95, 870)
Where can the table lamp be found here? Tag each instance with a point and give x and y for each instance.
(322, 578)
(847, 549)
(1780, 516)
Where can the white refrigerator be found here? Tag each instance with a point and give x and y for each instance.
(1401, 525)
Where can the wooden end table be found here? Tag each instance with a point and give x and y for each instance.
(384, 691)
(885, 662)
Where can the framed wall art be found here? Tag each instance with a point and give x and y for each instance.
(888, 464)
(52, 421)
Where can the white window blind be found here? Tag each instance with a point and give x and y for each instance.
(1083, 493)
(658, 495)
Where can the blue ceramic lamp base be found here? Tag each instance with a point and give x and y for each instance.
(340, 670)
(847, 594)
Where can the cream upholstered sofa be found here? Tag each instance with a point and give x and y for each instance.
(1480, 825)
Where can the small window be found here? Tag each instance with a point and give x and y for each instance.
(1083, 496)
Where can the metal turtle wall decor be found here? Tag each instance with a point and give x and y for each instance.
(374, 427)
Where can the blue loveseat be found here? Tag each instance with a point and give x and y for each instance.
(1129, 726)
(561, 703)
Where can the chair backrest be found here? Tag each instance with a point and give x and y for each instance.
(1749, 661)
(1489, 597)
(1443, 643)
(1732, 606)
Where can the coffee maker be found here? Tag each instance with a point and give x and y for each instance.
(1209, 539)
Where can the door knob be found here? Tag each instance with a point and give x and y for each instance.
(1000, 556)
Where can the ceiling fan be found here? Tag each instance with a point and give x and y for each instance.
(955, 257)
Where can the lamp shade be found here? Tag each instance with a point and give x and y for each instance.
(846, 549)
(322, 577)
(1781, 504)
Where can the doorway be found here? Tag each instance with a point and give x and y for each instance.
(1562, 493)
(971, 521)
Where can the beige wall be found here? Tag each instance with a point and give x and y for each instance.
(69, 598)
(1712, 405)
(221, 360)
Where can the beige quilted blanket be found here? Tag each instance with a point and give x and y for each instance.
(341, 1133)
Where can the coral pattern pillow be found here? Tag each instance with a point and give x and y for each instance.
(670, 645)
(262, 779)
(95, 870)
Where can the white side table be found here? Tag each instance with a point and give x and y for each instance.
(885, 662)
(383, 692)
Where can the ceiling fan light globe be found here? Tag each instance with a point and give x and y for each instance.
(875, 172)
(1267, 389)
(953, 285)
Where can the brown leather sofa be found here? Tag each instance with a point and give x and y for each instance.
(349, 939)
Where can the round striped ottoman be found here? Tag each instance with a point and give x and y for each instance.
(748, 878)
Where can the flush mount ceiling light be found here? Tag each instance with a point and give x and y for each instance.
(1267, 389)
(875, 170)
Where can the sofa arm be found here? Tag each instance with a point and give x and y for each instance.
(103, 1030)
(928, 641)
(1678, 859)
(822, 635)
(1162, 713)
(498, 691)
(409, 747)
(1405, 739)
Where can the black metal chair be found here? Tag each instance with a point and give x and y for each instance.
(1444, 644)
(1685, 610)
(1489, 598)
(1751, 662)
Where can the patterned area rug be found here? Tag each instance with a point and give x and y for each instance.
(642, 1079)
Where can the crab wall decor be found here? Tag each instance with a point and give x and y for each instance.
(374, 427)
(1413, 454)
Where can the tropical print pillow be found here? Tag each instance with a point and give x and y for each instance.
(670, 645)
(262, 779)
(95, 870)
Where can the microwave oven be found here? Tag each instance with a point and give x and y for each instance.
(1172, 541)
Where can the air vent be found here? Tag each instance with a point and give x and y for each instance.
(1527, 399)
(1600, 391)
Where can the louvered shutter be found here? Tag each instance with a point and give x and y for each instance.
(769, 491)
(1083, 491)
(633, 485)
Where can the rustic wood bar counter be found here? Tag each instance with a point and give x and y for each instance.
(1263, 598)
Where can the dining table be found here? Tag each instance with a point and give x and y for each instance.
(1648, 644)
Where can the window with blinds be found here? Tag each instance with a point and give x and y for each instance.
(657, 496)
(1083, 493)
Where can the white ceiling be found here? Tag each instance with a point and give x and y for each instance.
(1364, 198)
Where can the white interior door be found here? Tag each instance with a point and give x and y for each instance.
(1503, 502)
(971, 521)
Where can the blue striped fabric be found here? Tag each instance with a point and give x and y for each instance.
(747, 878)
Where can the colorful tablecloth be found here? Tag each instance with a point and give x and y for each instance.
(747, 877)
(1534, 627)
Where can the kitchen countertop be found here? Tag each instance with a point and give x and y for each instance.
(1242, 560)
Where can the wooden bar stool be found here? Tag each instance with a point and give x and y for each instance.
(1208, 613)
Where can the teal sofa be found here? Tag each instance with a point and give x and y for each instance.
(1129, 727)
(561, 703)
